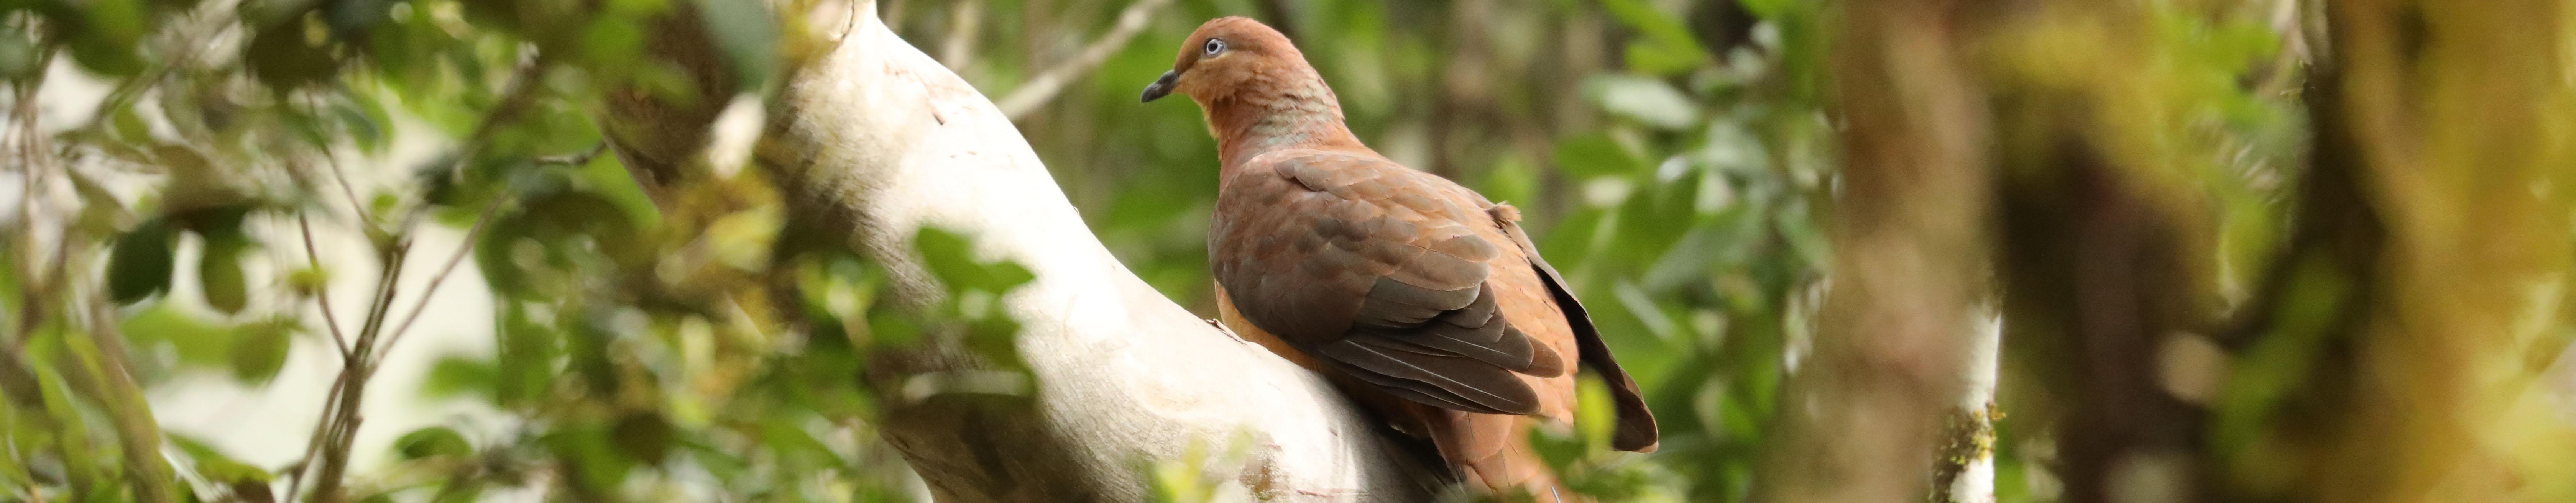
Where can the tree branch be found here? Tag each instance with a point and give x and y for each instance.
(313, 258)
(1043, 88)
(876, 139)
(965, 23)
(463, 248)
(339, 425)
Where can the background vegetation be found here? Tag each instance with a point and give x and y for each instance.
(1679, 160)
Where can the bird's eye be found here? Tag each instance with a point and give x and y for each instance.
(1214, 46)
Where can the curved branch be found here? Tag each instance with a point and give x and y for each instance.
(875, 139)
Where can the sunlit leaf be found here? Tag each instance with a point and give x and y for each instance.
(219, 272)
(455, 376)
(1512, 180)
(1595, 155)
(951, 256)
(1649, 101)
(214, 465)
(199, 343)
(1666, 47)
(129, 125)
(259, 349)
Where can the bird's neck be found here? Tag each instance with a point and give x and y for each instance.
(1295, 116)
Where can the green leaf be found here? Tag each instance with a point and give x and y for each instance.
(644, 436)
(140, 264)
(748, 34)
(1595, 155)
(1766, 9)
(1593, 416)
(308, 280)
(455, 376)
(1511, 180)
(104, 40)
(129, 125)
(531, 359)
(214, 465)
(219, 272)
(785, 439)
(259, 349)
(432, 441)
(1646, 100)
(363, 122)
(18, 56)
(73, 442)
(1655, 59)
(951, 257)
(117, 20)
(281, 56)
(612, 44)
(352, 19)
(585, 451)
(741, 239)
(198, 342)
(1665, 46)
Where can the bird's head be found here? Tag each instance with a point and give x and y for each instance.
(1228, 56)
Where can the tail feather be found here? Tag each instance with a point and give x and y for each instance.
(1517, 471)
(1492, 455)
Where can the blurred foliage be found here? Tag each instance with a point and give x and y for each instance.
(1676, 159)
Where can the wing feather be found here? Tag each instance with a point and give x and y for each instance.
(1383, 280)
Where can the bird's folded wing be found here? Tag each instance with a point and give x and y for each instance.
(1354, 260)
(1636, 431)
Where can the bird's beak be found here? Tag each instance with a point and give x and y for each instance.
(1161, 86)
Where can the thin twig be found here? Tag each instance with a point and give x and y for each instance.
(1043, 88)
(339, 426)
(13, 367)
(340, 422)
(347, 190)
(138, 434)
(514, 97)
(462, 249)
(966, 19)
(892, 14)
(22, 116)
(467, 246)
(217, 18)
(579, 159)
(322, 296)
(331, 401)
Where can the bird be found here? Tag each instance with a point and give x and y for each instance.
(1422, 300)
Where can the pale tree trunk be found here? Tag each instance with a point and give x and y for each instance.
(872, 137)
(1964, 472)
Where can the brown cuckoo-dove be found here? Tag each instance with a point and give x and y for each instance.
(1421, 299)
